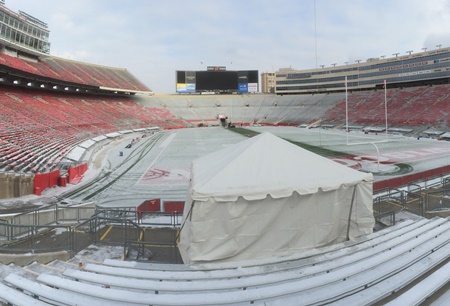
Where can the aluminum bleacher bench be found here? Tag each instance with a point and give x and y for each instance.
(146, 266)
(150, 285)
(329, 281)
(372, 283)
(18, 298)
(400, 228)
(392, 250)
(330, 254)
(425, 288)
(343, 280)
(55, 296)
(140, 298)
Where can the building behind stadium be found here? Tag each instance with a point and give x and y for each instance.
(424, 68)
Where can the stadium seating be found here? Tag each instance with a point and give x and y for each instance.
(75, 72)
(371, 269)
(406, 107)
(38, 129)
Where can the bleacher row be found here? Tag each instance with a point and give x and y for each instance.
(76, 72)
(38, 129)
(422, 106)
(247, 109)
(401, 265)
(407, 107)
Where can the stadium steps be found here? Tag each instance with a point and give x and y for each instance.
(363, 272)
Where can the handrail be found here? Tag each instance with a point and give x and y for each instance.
(387, 214)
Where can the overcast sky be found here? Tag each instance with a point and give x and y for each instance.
(153, 39)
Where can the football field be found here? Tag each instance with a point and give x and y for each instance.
(159, 166)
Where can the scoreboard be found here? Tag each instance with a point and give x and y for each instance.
(216, 79)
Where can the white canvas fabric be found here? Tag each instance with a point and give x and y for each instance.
(267, 197)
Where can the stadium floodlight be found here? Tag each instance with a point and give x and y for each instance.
(396, 54)
(438, 46)
(358, 61)
(424, 49)
(334, 64)
(346, 63)
(322, 66)
(409, 52)
(383, 56)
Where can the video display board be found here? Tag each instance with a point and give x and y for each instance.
(217, 81)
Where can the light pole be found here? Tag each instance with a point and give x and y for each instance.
(424, 49)
(409, 52)
(396, 54)
(438, 46)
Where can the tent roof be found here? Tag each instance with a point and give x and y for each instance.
(266, 165)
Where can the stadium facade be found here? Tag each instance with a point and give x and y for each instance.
(429, 67)
(24, 31)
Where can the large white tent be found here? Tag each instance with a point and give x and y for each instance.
(266, 197)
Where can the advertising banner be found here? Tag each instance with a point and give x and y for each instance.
(252, 87)
(181, 87)
(242, 87)
(190, 87)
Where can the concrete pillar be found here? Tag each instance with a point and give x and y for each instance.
(26, 187)
(16, 185)
(3, 185)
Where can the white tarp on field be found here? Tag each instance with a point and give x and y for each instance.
(266, 197)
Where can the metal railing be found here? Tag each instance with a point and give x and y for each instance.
(52, 214)
(394, 198)
(25, 224)
(33, 238)
(154, 218)
(172, 219)
(128, 227)
(387, 218)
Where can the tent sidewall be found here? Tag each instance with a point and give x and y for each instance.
(242, 230)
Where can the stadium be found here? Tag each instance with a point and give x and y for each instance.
(332, 190)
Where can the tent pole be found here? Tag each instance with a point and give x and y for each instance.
(350, 213)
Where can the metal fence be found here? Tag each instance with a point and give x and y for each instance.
(154, 218)
(387, 218)
(36, 238)
(127, 225)
(31, 223)
(53, 214)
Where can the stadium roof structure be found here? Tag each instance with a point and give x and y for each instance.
(42, 71)
(28, 63)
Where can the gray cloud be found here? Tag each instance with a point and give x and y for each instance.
(152, 39)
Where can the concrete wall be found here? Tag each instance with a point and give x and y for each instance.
(14, 185)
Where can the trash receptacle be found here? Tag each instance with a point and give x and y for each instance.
(63, 181)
